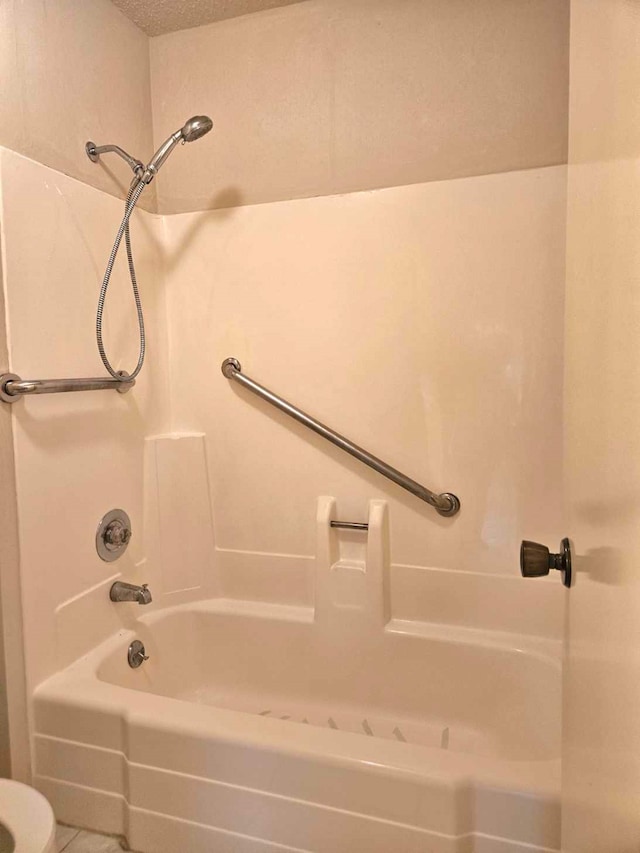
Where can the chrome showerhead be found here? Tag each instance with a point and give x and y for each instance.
(196, 127)
(192, 129)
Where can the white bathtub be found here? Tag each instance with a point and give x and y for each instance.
(254, 728)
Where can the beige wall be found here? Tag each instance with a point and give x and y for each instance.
(601, 759)
(329, 96)
(71, 71)
(315, 98)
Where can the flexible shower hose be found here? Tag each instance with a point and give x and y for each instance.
(133, 195)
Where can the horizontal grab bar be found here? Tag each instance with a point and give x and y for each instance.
(350, 525)
(445, 503)
(12, 387)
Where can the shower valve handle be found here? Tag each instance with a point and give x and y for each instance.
(536, 560)
(117, 534)
(113, 535)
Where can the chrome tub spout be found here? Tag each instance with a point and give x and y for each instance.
(130, 592)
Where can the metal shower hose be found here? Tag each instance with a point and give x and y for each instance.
(133, 195)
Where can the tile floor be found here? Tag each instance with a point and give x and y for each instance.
(80, 841)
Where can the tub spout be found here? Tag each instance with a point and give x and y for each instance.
(130, 592)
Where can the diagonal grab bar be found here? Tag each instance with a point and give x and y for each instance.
(445, 503)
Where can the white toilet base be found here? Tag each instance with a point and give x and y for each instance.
(29, 818)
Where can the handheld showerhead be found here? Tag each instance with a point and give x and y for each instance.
(192, 130)
(196, 127)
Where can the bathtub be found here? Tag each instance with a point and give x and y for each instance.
(256, 727)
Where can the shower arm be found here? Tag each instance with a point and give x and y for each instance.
(94, 151)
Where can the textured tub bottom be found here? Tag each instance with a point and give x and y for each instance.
(429, 733)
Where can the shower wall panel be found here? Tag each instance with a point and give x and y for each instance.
(76, 455)
(423, 322)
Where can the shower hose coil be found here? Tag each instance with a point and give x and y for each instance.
(135, 190)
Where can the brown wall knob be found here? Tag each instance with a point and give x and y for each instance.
(536, 560)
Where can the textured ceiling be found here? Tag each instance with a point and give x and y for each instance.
(164, 16)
